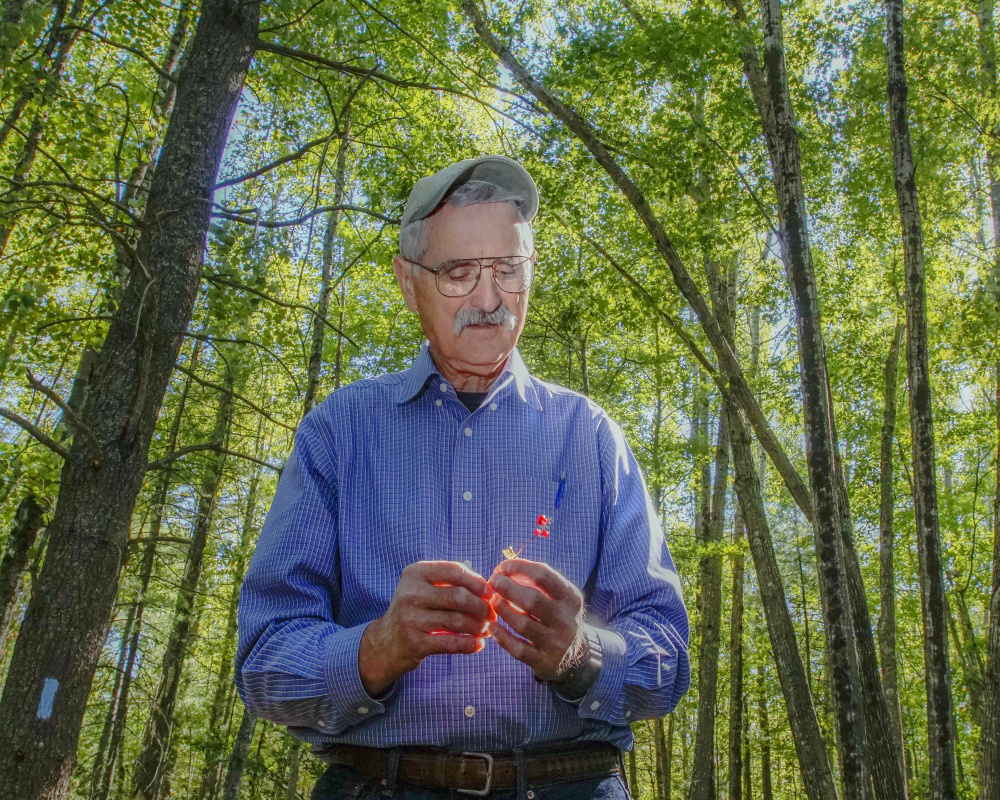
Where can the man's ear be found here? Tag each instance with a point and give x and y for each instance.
(404, 277)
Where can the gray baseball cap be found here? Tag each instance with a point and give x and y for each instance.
(428, 192)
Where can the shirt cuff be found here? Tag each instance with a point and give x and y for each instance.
(604, 700)
(351, 702)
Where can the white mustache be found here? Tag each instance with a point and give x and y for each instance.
(476, 316)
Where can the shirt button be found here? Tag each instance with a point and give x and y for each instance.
(321, 722)
(437, 402)
(493, 406)
(468, 431)
(628, 714)
(467, 496)
(594, 706)
(444, 387)
(362, 709)
(470, 711)
(467, 563)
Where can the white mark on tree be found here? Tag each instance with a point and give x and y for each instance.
(49, 689)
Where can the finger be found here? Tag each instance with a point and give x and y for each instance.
(452, 573)
(436, 644)
(452, 621)
(548, 579)
(523, 625)
(520, 649)
(530, 600)
(457, 598)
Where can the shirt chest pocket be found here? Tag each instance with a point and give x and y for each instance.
(573, 541)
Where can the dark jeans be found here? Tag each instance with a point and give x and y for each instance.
(343, 783)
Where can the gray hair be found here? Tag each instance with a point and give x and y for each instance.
(413, 242)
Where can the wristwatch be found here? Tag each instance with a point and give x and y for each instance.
(579, 678)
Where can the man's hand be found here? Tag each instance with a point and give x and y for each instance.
(544, 609)
(439, 607)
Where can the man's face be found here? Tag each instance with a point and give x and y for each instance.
(483, 230)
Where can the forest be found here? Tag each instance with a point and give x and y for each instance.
(768, 245)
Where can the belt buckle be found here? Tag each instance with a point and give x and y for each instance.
(489, 775)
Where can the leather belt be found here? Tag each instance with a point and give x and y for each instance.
(480, 773)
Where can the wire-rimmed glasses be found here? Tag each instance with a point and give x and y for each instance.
(460, 276)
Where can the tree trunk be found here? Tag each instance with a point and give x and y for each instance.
(66, 37)
(937, 670)
(736, 666)
(989, 742)
(216, 744)
(766, 791)
(113, 735)
(817, 774)
(238, 759)
(292, 784)
(27, 522)
(149, 766)
(66, 623)
(326, 275)
(887, 577)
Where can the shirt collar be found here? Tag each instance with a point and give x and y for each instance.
(514, 371)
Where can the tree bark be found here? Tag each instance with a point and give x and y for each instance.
(817, 773)
(937, 670)
(326, 274)
(149, 765)
(66, 623)
(766, 790)
(27, 522)
(238, 759)
(216, 744)
(735, 782)
(113, 735)
(887, 577)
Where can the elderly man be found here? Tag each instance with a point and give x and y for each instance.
(381, 619)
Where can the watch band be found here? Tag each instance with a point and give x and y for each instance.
(578, 680)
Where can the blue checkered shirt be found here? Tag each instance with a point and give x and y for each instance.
(393, 470)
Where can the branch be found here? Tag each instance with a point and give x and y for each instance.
(293, 156)
(44, 438)
(69, 415)
(283, 304)
(127, 48)
(241, 398)
(160, 463)
(286, 223)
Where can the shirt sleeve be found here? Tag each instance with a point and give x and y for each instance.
(295, 665)
(636, 606)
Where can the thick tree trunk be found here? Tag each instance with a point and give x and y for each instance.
(27, 522)
(887, 577)
(238, 759)
(817, 774)
(149, 766)
(937, 671)
(66, 623)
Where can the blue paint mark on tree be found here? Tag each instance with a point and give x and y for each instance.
(48, 698)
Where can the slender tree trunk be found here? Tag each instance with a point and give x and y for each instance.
(887, 577)
(238, 759)
(149, 766)
(223, 689)
(937, 670)
(66, 38)
(66, 623)
(766, 790)
(736, 666)
(326, 275)
(817, 774)
(27, 522)
(113, 735)
(989, 742)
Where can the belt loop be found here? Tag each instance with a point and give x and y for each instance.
(391, 772)
(522, 778)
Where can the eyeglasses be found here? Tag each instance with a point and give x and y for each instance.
(460, 276)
